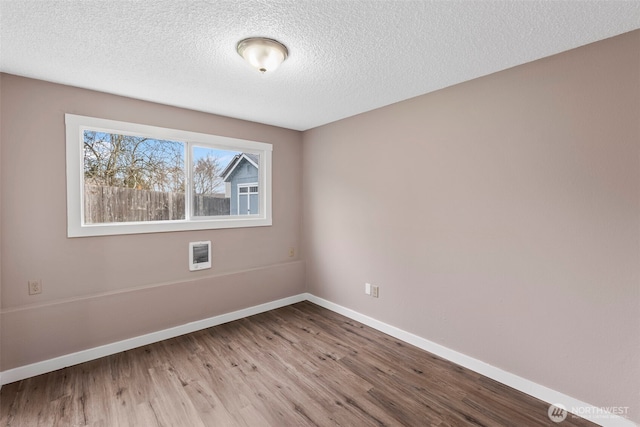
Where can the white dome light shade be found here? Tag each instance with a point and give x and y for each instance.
(263, 54)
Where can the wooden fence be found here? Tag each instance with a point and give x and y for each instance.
(115, 204)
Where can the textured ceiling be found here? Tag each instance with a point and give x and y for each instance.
(346, 57)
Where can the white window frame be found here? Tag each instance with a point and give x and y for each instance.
(75, 127)
(248, 194)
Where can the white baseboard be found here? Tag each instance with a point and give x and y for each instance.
(582, 409)
(575, 406)
(54, 364)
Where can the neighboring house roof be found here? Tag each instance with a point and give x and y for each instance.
(254, 159)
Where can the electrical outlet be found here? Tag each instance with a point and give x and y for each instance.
(35, 287)
(375, 291)
(367, 288)
(292, 252)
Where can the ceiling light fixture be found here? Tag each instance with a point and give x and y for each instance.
(262, 53)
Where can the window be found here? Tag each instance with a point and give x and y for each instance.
(125, 178)
(247, 203)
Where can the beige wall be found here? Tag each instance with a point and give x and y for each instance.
(99, 290)
(500, 218)
(0, 224)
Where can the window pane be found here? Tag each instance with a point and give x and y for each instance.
(132, 178)
(211, 192)
(242, 178)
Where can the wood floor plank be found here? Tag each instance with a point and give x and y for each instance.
(300, 365)
(209, 406)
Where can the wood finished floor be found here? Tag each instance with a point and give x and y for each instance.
(300, 365)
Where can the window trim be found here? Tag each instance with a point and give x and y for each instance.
(249, 193)
(75, 127)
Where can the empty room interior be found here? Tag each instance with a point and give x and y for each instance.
(221, 213)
